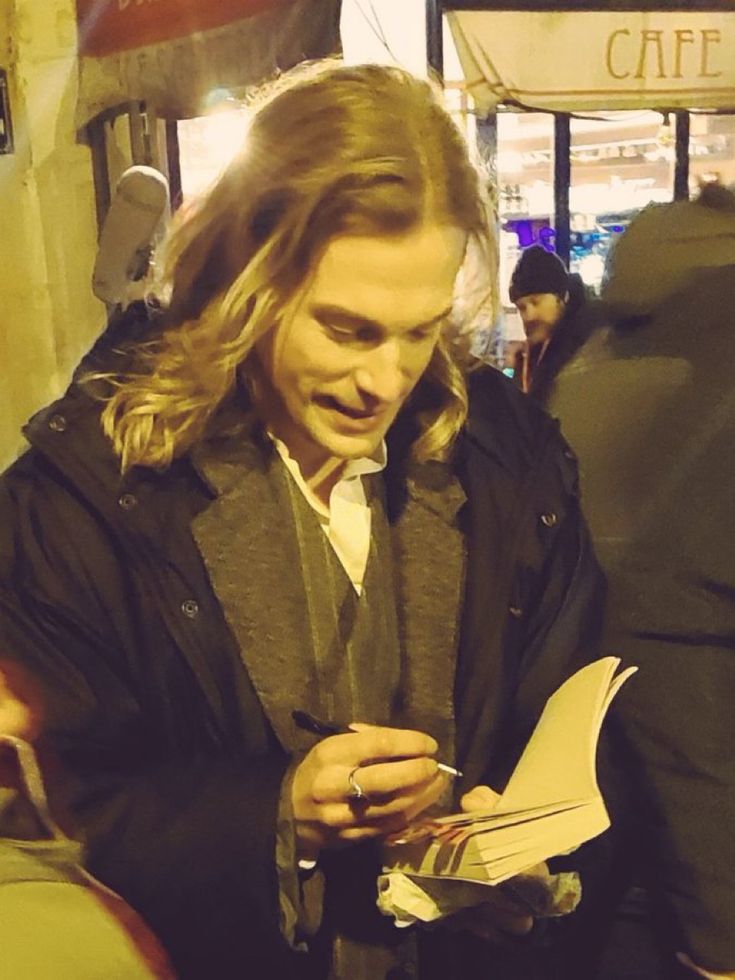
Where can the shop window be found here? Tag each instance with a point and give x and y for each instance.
(620, 162)
(711, 149)
(208, 143)
(525, 180)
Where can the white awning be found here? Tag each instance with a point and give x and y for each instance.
(592, 60)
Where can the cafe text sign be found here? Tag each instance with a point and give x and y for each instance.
(567, 61)
(658, 53)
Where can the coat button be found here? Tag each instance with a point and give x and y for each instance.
(549, 520)
(190, 608)
(57, 423)
(127, 501)
(515, 611)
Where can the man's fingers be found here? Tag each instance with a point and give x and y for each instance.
(537, 871)
(385, 780)
(380, 782)
(508, 920)
(491, 921)
(479, 798)
(499, 920)
(387, 814)
(365, 783)
(407, 805)
(374, 743)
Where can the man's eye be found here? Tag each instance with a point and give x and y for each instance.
(424, 333)
(346, 335)
(341, 333)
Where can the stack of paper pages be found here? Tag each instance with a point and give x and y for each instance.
(551, 805)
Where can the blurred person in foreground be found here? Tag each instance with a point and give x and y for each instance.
(56, 922)
(290, 495)
(648, 404)
(553, 306)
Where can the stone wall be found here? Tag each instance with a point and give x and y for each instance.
(48, 315)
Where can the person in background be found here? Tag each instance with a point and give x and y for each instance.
(664, 248)
(553, 307)
(290, 494)
(648, 406)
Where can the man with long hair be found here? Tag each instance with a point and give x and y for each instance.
(286, 494)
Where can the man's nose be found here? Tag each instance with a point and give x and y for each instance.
(380, 372)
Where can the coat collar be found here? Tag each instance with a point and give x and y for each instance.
(431, 557)
(241, 526)
(247, 541)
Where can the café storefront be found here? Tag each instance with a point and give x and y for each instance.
(586, 112)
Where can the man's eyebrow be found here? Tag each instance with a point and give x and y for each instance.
(341, 317)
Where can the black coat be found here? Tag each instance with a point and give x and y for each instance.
(579, 320)
(649, 406)
(159, 713)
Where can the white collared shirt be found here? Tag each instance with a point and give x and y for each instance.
(346, 521)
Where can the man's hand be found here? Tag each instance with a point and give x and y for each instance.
(394, 769)
(479, 798)
(502, 915)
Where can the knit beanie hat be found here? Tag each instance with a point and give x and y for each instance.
(538, 271)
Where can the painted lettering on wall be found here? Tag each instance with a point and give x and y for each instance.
(110, 26)
(648, 53)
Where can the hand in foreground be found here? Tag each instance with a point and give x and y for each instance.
(502, 915)
(394, 770)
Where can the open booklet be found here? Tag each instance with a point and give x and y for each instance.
(551, 805)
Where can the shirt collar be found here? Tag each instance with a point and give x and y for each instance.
(353, 468)
(374, 463)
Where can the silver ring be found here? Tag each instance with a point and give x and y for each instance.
(356, 790)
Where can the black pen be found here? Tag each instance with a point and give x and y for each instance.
(323, 729)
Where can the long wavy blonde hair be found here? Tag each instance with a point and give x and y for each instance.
(333, 150)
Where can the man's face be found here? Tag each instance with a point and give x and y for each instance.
(540, 313)
(340, 367)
